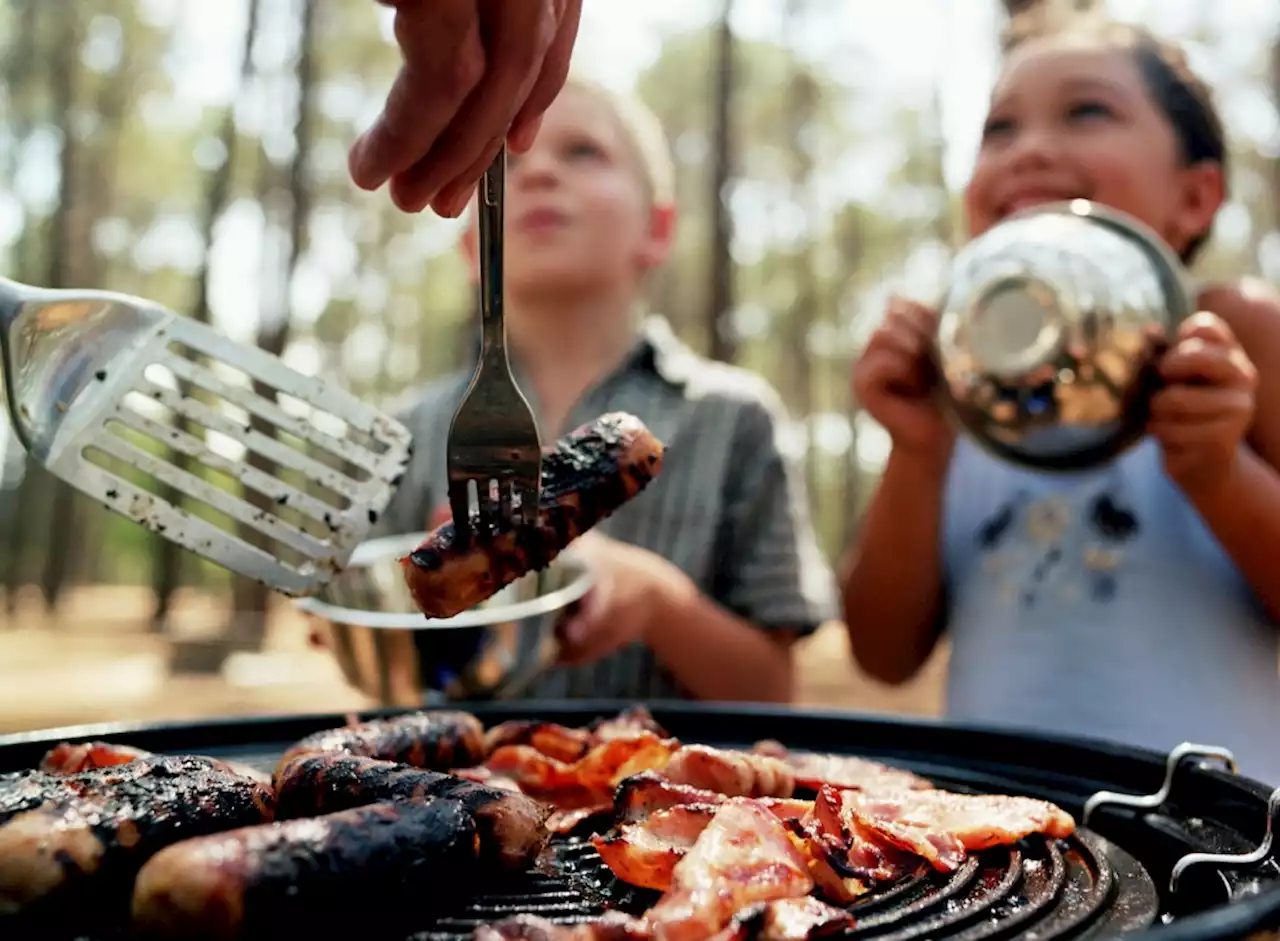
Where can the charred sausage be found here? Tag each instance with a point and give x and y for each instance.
(69, 758)
(322, 876)
(71, 839)
(512, 826)
(586, 476)
(434, 740)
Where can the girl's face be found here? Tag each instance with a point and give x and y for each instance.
(579, 220)
(1073, 119)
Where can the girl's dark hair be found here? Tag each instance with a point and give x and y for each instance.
(1182, 96)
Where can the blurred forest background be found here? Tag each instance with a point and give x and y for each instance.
(195, 153)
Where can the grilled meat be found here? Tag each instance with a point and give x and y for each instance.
(512, 826)
(434, 740)
(743, 857)
(301, 876)
(67, 838)
(731, 773)
(940, 826)
(645, 854)
(611, 926)
(69, 758)
(586, 476)
(590, 780)
(813, 769)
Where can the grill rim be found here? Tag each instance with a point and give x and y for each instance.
(1064, 769)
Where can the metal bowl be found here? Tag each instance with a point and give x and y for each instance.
(388, 650)
(1049, 331)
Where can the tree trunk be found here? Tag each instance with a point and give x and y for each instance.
(721, 339)
(167, 568)
(250, 597)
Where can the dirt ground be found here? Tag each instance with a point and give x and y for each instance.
(96, 662)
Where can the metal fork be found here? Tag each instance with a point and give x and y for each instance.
(494, 453)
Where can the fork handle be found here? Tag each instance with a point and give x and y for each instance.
(492, 193)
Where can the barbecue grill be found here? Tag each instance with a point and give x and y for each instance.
(1176, 847)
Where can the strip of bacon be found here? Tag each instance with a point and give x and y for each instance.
(591, 779)
(611, 926)
(787, 920)
(743, 857)
(814, 769)
(941, 826)
(731, 773)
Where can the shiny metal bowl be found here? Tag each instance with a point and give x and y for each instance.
(388, 650)
(1049, 329)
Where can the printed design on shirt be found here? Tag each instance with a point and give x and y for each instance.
(1066, 546)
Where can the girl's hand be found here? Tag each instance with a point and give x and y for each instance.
(894, 379)
(1206, 410)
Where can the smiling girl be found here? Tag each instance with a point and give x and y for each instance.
(1139, 601)
(704, 581)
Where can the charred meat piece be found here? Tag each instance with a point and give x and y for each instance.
(586, 476)
(71, 841)
(393, 861)
(787, 920)
(69, 758)
(743, 857)
(437, 741)
(512, 826)
(568, 744)
(813, 769)
(588, 781)
(940, 826)
(611, 926)
(640, 795)
(731, 773)
(645, 854)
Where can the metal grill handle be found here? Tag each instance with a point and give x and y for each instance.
(1229, 860)
(1152, 801)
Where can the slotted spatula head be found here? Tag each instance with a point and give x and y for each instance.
(283, 474)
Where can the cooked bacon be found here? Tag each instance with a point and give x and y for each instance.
(940, 826)
(731, 773)
(482, 775)
(814, 769)
(787, 920)
(743, 857)
(586, 476)
(611, 926)
(797, 919)
(629, 723)
(589, 781)
(849, 848)
(639, 795)
(645, 854)
(568, 744)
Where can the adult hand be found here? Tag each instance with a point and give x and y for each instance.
(633, 589)
(1206, 410)
(475, 73)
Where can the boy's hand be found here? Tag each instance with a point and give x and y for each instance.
(1207, 408)
(633, 591)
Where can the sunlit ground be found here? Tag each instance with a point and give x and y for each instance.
(96, 662)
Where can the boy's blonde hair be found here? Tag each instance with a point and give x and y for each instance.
(644, 134)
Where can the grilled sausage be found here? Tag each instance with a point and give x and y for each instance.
(68, 758)
(434, 740)
(586, 476)
(512, 826)
(324, 876)
(67, 839)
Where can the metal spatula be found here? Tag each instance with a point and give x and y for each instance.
(135, 405)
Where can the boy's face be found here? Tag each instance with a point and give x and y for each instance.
(1073, 119)
(578, 217)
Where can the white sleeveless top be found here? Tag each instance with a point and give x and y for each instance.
(1098, 603)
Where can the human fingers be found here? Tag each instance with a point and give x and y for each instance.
(516, 39)
(555, 70)
(1196, 360)
(444, 60)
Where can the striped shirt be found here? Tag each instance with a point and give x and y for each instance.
(728, 508)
